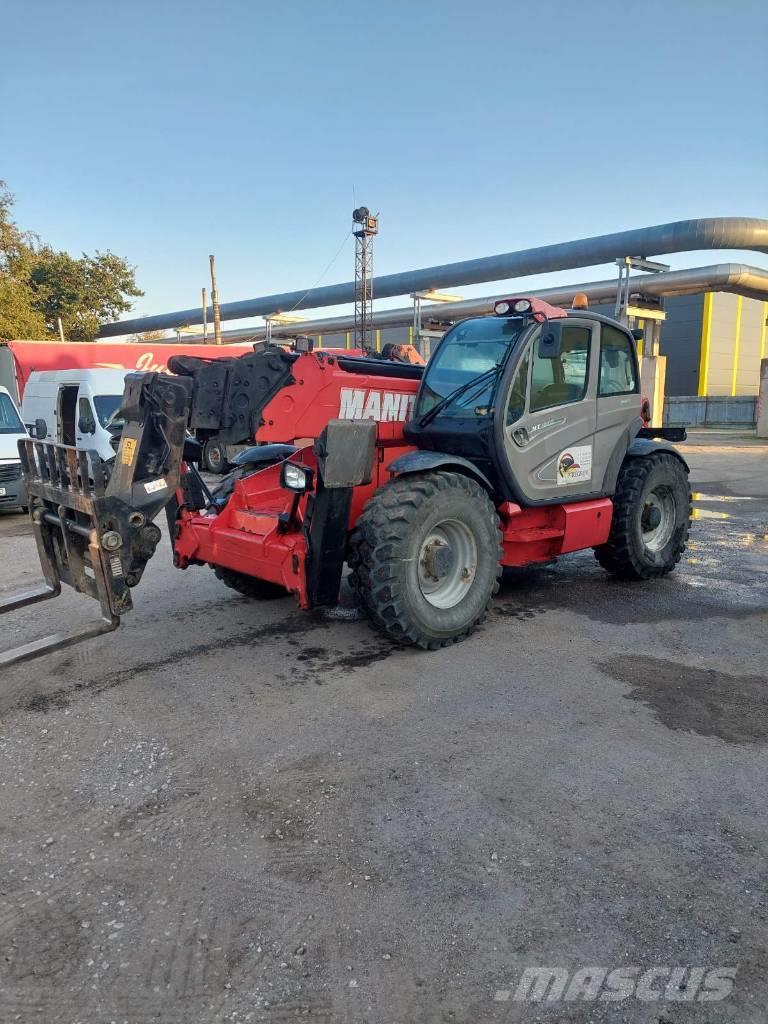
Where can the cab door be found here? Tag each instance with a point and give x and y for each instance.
(550, 414)
(618, 394)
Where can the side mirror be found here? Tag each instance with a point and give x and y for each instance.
(86, 425)
(551, 339)
(41, 430)
(638, 333)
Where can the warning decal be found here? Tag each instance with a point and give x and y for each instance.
(574, 465)
(128, 450)
(155, 485)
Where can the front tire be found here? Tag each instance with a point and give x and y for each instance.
(425, 558)
(651, 518)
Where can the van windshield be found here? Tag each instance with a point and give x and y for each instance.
(9, 418)
(106, 407)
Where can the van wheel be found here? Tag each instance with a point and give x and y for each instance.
(214, 457)
(651, 518)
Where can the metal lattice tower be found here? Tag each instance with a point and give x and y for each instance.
(364, 228)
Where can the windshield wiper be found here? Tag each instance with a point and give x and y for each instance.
(457, 393)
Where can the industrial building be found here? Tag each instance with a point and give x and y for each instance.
(713, 342)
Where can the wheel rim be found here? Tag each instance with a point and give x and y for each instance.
(658, 518)
(447, 563)
(214, 457)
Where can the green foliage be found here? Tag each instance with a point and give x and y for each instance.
(38, 285)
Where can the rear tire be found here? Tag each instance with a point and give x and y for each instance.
(425, 558)
(651, 518)
(248, 586)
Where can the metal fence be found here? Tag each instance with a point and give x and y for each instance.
(710, 411)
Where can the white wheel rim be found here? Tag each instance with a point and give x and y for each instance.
(447, 564)
(660, 501)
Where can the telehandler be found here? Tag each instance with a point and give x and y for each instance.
(522, 439)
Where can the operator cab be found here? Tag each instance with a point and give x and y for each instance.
(543, 400)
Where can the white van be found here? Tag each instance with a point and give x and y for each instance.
(77, 407)
(12, 493)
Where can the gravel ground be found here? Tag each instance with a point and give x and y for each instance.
(232, 811)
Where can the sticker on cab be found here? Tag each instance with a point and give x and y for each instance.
(574, 465)
(128, 451)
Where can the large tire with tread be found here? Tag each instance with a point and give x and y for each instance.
(248, 586)
(651, 518)
(425, 558)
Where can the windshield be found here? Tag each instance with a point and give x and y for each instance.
(9, 418)
(106, 407)
(470, 349)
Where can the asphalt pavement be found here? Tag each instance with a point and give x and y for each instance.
(233, 811)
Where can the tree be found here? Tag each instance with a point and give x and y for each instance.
(39, 284)
(18, 317)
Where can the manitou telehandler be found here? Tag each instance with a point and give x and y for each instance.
(521, 440)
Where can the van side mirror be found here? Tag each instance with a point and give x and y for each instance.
(551, 339)
(40, 430)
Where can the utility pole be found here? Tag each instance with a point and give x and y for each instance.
(215, 302)
(364, 228)
(61, 328)
(205, 317)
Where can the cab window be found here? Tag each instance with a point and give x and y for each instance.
(564, 379)
(472, 349)
(617, 364)
(519, 391)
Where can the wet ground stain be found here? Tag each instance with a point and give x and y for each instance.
(314, 663)
(311, 665)
(692, 699)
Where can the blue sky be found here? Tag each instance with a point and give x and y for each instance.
(167, 130)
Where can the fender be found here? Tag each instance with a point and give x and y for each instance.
(642, 446)
(421, 462)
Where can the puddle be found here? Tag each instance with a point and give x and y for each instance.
(708, 513)
(692, 699)
(700, 496)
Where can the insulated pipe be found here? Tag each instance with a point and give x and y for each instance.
(751, 282)
(680, 236)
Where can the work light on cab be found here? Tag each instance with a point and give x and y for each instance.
(512, 307)
(522, 306)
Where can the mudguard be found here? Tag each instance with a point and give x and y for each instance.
(644, 446)
(422, 462)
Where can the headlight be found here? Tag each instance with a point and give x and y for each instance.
(295, 477)
(501, 308)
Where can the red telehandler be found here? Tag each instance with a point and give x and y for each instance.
(521, 440)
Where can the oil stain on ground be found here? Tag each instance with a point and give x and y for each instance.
(683, 697)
